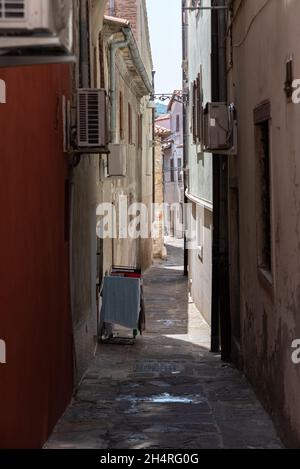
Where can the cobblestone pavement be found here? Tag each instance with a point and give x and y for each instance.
(166, 391)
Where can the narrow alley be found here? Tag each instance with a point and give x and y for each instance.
(167, 390)
(150, 226)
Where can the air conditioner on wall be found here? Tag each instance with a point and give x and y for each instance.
(92, 135)
(35, 28)
(220, 129)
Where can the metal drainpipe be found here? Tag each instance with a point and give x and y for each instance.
(221, 323)
(136, 57)
(215, 319)
(84, 46)
(185, 132)
(225, 317)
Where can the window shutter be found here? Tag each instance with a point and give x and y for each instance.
(121, 115)
(129, 124)
(172, 167)
(194, 120)
(199, 108)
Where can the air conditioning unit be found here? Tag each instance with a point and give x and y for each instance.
(117, 160)
(36, 26)
(91, 120)
(220, 129)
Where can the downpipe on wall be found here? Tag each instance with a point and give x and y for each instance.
(136, 57)
(185, 133)
(221, 320)
(84, 46)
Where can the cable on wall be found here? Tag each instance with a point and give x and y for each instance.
(239, 44)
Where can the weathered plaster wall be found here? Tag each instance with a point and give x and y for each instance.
(159, 250)
(174, 190)
(138, 183)
(200, 270)
(86, 197)
(269, 310)
(199, 53)
(35, 319)
(199, 163)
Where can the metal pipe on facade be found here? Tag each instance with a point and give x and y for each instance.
(215, 319)
(84, 46)
(225, 318)
(221, 329)
(185, 133)
(136, 57)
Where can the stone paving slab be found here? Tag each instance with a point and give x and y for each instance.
(167, 384)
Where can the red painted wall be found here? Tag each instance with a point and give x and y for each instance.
(35, 321)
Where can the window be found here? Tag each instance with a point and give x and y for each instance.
(200, 234)
(172, 175)
(262, 116)
(288, 86)
(194, 111)
(179, 167)
(121, 115)
(96, 55)
(129, 124)
(197, 110)
(140, 131)
(177, 123)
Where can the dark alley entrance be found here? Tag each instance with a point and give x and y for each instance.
(168, 390)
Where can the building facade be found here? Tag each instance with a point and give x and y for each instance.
(85, 187)
(159, 249)
(170, 129)
(173, 169)
(48, 316)
(264, 204)
(57, 305)
(131, 126)
(36, 325)
(199, 179)
(249, 281)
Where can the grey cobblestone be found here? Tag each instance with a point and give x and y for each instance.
(133, 396)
